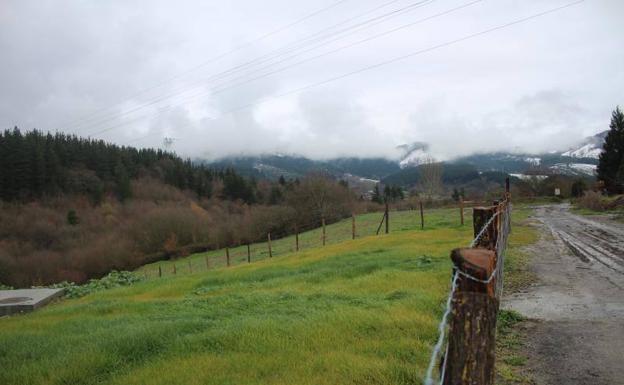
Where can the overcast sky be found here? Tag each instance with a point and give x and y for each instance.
(243, 76)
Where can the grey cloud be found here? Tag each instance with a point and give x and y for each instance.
(532, 87)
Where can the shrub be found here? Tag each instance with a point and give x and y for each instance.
(578, 188)
(72, 218)
(112, 280)
(592, 201)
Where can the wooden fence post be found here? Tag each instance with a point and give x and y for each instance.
(461, 210)
(159, 271)
(323, 223)
(207, 263)
(190, 266)
(472, 330)
(481, 216)
(175, 271)
(296, 238)
(227, 256)
(269, 243)
(352, 226)
(387, 219)
(248, 253)
(422, 216)
(383, 218)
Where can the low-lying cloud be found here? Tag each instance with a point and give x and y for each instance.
(534, 87)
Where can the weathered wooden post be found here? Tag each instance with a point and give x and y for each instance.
(387, 219)
(296, 238)
(269, 244)
(227, 256)
(422, 217)
(207, 263)
(472, 344)
(383, 218)
(248, 253)
(481, 216)
(352, 226)
(175, 271)
(190, 266)
(323, 224)
(159, 271)
(508, 198)
(461, 210)
(472, 330)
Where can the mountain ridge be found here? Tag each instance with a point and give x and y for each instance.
(579, 160)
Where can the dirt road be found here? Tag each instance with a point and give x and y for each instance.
(577, 300)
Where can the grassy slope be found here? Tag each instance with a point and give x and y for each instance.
(362, 312)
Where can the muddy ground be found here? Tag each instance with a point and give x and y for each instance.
(576, 305)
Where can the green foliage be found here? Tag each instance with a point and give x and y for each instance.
(393, 193)
(111, 280)
(34, 165)
(376, 197)
(72, 218)
(458, 194)
(5, 287)
(236, 187)
(508, 318)
(122, 181)
(611, 163)
(578, 188)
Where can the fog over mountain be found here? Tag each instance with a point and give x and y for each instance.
(137, 72)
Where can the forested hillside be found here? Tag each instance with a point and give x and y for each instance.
(274, 166)
(74, 208)
(34, 165)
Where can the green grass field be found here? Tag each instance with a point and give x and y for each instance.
(361, 311)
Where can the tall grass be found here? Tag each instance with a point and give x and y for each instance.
(353, 312)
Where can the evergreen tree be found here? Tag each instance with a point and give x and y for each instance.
(578, 188)
(122, 180)
(72, 218)
(276, 195)
(33, 165)
(455, 195)
(610, 165)
(376, 197)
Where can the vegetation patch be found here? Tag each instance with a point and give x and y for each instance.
(112, 280)
(363, 311)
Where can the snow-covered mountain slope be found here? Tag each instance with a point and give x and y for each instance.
(590, 148)
(414, 154)
(580, 169)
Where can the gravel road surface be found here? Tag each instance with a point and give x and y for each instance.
(577, 301)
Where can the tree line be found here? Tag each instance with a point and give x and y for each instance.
(34, 164)
(611, 163)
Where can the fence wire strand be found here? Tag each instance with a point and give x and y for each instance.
(503, 211)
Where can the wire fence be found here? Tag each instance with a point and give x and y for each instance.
(306, 236)
(499, 224)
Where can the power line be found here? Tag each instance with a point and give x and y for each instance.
(275, 55)
(390, 61)
(218, 57)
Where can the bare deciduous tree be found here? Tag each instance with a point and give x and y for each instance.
(431, 176)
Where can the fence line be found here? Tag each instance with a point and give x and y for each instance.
(473, 301)
(305, 236)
